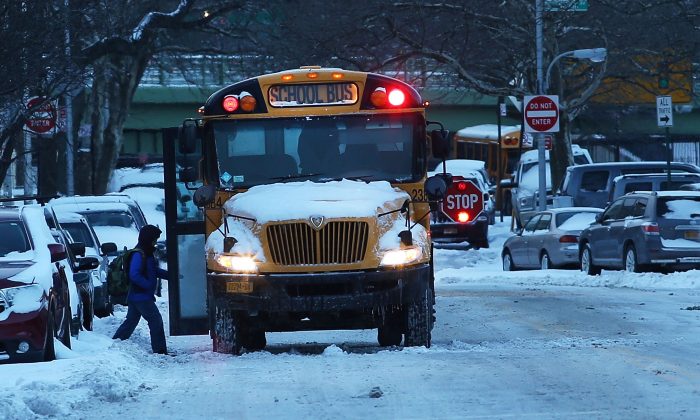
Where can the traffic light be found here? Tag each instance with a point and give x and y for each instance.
(663, 78)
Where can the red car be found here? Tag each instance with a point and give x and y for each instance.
(35, 294)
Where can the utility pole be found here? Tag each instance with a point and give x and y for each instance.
(70, 185)
(541, 157)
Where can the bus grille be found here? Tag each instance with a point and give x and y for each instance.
(334, 243)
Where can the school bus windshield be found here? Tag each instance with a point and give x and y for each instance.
(363, 147)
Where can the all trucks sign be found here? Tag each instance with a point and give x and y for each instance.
(463, 202)
(542, 114)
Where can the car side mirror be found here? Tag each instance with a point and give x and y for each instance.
(57, 251)
(87, 263)
(440, 144)
(519, 232)
(508, 183)
(189, 135)
(599, 218)
(108, 248)
(77, 248)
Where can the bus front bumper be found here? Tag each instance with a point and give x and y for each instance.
(320, 292)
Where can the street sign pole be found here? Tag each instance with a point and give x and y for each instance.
(664, 118)
(539, 15)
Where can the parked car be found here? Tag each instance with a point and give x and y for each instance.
(690, 187)
(78, 268)
(590, 185)
(548, 240)
(36, 294)
(643, 231)
(113, 221)
(80, 230)
(624, 184)
(474, 170)
(525, 182)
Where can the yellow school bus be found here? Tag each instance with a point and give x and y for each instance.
(313, 182)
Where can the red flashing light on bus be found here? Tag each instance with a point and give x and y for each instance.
(397, 97)
(230, 103)
(461, 186)
(463, 217)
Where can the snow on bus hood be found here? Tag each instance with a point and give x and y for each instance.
(301, 200)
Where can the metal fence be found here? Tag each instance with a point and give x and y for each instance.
(647, 148)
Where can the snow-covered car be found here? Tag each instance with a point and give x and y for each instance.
(36, 294)
(118, 220)
(624, 184)
(644, 230)
(548, 240)
(525, 182)
(79, 230)
(476, 171)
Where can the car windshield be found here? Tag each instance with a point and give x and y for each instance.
(575, 220)
(14, 238)
(111, 218)
(366, 147)
(80, 233)
(678, 208)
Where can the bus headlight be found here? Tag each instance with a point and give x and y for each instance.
(238, 263)
(402, 256)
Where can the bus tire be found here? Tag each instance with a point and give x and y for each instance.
(419, 321)
(227, 331)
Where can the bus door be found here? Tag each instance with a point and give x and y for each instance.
(187, 290)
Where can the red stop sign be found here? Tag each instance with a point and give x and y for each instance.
(541, 114)
(464, 201)
(43, 118)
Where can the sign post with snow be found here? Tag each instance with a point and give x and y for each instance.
(542, 114)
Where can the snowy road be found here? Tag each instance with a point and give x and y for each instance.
(553, 344)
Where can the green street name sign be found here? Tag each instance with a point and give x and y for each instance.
(566, 5)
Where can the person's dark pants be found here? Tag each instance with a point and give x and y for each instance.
(150, 313)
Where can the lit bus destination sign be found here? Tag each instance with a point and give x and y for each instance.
(312, 94)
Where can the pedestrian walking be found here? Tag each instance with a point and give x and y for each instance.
(143, 273)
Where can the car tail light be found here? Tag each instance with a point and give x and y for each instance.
(650, 228)
(568, 239)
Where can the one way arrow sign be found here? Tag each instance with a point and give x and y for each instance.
(664, 111)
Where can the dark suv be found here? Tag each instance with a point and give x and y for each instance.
(644, 230)
(590, 185)
(35, 292)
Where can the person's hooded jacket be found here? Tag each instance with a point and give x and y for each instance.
(143, 267)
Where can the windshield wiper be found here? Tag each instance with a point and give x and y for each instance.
(295, 176)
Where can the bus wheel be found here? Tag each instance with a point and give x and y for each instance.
(419, 321)
(227, 333)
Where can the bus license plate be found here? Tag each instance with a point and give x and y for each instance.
(239, 287)
(692, 235)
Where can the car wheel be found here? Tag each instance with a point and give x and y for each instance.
(508, 262)
(630, 261)
(64, 332)
(587, 265)
(49, 351)
(545, 264)
(88, 315)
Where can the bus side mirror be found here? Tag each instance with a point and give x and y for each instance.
(204, 195)
(435, 187)
(440, 144)
(189, 134)
(188, 174)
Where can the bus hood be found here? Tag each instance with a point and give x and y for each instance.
(303, 200)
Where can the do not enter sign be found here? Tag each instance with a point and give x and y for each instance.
(542, 114)
(464, 201)
(43, 118)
